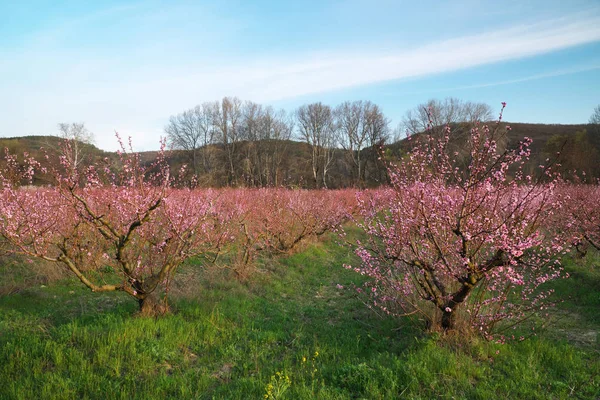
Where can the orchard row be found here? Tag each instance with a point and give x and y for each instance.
(463, 239)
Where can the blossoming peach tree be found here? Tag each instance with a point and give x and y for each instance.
(130, 220)
(585, 213)
(274, 221)
(462, 238)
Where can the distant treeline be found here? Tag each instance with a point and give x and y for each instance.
(244, 144)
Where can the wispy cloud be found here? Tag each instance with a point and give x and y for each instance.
(287, 77)
(346, 70)
(142, 101)
(535, 77)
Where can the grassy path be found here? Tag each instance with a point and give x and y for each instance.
(290, 334)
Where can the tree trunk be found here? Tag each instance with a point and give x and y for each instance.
(195, 160)
(448, 320)
(359, 177)
(152, 306)
(450, 308)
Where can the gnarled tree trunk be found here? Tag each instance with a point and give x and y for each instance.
(153, 306)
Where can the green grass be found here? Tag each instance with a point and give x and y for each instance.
(577, 317)
(229, 340)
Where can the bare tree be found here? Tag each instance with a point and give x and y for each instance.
(595, 117)
(227, 118)
(251, 120)
(78, 140)
(330, 141)
(317, 128)
(266, 131)
(594, 129)
(252, 141)
(351, 120)
(251, 130)
(192, 130)
(277, 128)
(437, 113)
(378, 134)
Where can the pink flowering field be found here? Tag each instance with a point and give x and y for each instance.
(465, 276)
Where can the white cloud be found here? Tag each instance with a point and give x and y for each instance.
(345, 71)
(144, 102)
(552, 74)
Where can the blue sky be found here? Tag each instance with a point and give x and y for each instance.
(128, 66)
